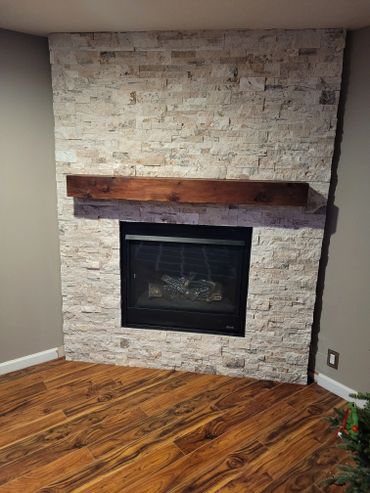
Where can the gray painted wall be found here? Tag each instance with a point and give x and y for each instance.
(30, 298)
(345, 318)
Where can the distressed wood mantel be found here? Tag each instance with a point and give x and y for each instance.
(188, 191)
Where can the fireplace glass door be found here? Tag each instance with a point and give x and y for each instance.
(190, 278)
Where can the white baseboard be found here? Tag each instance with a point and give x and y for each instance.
(31, 359)
(337, 388)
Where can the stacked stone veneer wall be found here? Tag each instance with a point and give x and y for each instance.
(234, 104)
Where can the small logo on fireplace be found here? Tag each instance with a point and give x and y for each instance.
(229, 327)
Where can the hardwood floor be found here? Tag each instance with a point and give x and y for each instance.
(68, 426)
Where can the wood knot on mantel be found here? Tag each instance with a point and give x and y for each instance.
(188, 191)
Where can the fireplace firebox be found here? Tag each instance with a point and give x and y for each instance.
(184, 277)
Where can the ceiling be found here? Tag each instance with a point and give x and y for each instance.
(45, 16)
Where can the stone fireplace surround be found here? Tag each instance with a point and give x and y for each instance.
(210, 104)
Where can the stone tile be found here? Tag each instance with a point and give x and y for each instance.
(212, 104)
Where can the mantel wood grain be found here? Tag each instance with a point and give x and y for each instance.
(187, 191)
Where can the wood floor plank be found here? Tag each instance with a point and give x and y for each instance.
(111, 414)
(12, 395)
(245, 484)
(178, 419)
(115, 474)
(84, 427)
(79, 374)
(151, 435)
(74, 398)
(307, 395)
(142, 387)
(186, 468)
(298, 420)
(15, 375)
(254, 389)
(223, 471)
(195, 385)
(333, 488)
(269, 464)
(312, 470)
(39, 477)
(295, 447)
(62, 439)
(205, 457)
(237, 407)
(21, 397)
(314, 489)
(118, 389)
(39, 373)
(16, 433)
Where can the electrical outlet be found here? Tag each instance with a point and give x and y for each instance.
(333, 359)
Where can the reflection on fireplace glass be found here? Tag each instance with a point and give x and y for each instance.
(179, 275)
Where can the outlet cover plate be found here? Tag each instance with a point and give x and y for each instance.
(332, 359)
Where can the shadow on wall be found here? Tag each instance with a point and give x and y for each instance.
(332, 211)
(251, 216)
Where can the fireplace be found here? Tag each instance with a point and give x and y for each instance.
(193, 105)
(184, 277)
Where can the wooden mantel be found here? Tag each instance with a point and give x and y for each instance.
(188, 191)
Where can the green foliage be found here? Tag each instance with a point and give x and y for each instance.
(355, 475)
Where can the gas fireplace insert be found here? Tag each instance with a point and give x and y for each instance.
(184, 277)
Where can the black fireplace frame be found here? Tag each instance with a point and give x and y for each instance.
(185, 320)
